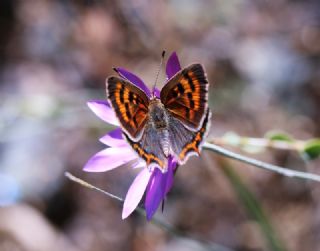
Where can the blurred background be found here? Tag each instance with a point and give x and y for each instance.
(262, 60)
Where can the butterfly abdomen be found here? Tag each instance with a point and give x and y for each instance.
(159, 120)
(164, 141)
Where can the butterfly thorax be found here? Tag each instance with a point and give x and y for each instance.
(158, 115)
(159, 118)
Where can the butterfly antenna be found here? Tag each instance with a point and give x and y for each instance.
(159, 69)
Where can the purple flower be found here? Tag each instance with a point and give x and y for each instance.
(154, 183)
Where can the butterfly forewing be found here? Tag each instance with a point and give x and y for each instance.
(185, 96)
(130, 104)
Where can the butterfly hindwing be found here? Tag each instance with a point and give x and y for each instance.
(185, 96)
(186, 142)
(130, 104)
(149, 147)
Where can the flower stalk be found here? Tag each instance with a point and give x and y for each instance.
(165, 226)
(260, 164)
(262, 143)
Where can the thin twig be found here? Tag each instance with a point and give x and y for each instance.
(297, 145)
(88, 185)
(208, 245)
(260, 164)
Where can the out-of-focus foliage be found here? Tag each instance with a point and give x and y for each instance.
(312, 149)
(309, 149)
(279, 136)
(253, 208)
(262, 61)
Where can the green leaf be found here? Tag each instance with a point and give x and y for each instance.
(279, 136)
(253, 208)
(312, 149)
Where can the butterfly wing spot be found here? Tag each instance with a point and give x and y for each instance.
(180, 88)
(191, 101)
(120, 100)
(121, 95)
(192, 87)
(188, 75)
(131, 97)
(128, 113)
(192, 80)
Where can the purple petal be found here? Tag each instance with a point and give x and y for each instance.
(155, 192)
(139, 164)
(169, 180)
(134, 79)
(173, 65)
(109, 158)
(156, 92)
(104, 111)
(114, 138)
(135, 192)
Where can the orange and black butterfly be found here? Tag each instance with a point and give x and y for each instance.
(173, 124)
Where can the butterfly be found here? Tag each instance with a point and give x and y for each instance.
(173, 124)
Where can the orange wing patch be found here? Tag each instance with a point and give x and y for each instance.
(194, 145)
(188, 90)
(185, 95)
(130, 104)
